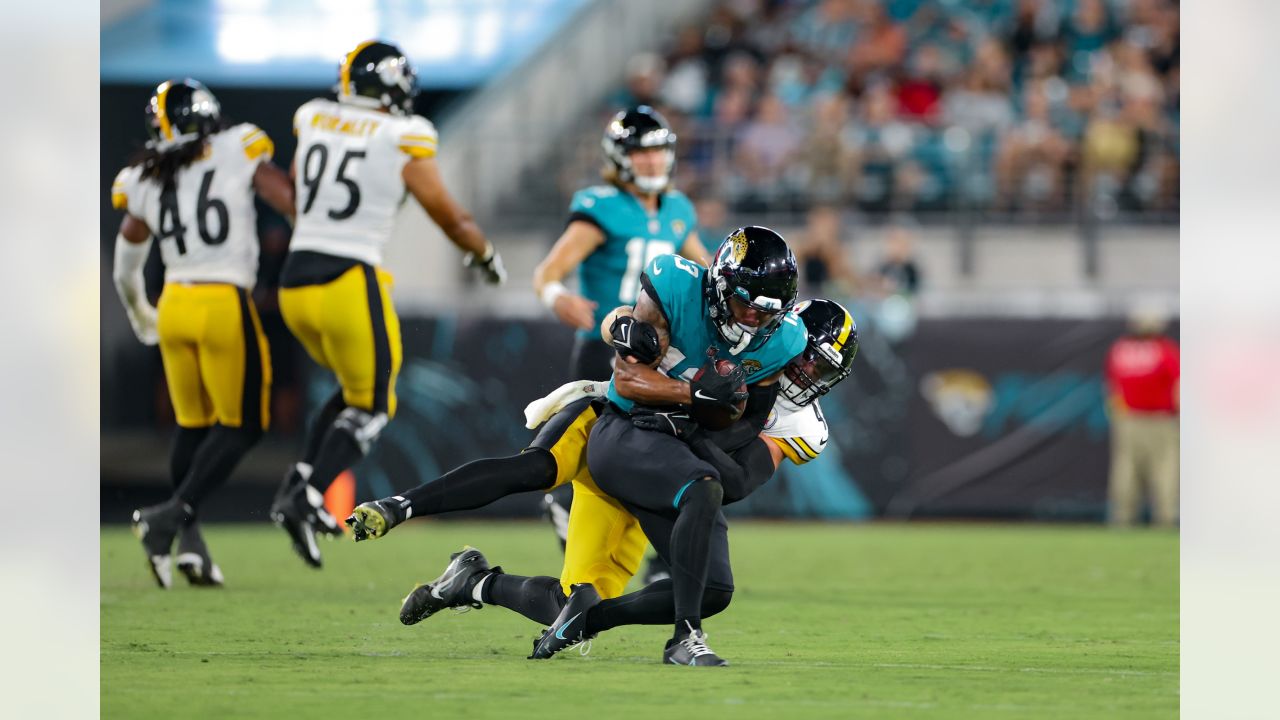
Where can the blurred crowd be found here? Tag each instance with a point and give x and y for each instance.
(1000, 106)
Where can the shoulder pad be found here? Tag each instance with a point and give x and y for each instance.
(417, 137)
(255, 143)
(589, 200)
(123, 186)
(800, 433)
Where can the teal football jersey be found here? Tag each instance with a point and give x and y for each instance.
(676, 284)
(610, 276)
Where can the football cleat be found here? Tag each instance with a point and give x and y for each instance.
(451, 590)
(569, 629)
(156, 527)
(291, 511)
(691, 650)
(194, 561)
(372, 520)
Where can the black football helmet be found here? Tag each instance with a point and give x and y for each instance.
(827, 358)
(180, 111)
(632, 129)
(378, 75)
(755, 267)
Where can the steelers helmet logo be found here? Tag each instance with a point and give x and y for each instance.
(391, 71)
(738, 249)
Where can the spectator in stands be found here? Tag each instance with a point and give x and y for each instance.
(1142, 375)
(1033, 155)
(766, 149)
(898, 273)
(829, 164)
(919, 91)
(881, 43)
(645, 73)
(825, 270)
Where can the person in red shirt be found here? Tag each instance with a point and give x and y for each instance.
(1142, 374)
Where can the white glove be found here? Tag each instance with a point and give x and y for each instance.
(490, 263)
(143, 319)
(541, 410)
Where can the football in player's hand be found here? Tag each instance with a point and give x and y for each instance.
(718, 416)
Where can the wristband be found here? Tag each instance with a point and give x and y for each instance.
(550, 292)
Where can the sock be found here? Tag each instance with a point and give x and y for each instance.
(186, 441)
(481, 482)
(320, 427)
(338, 451)
(538, 598)
(654, 604)
(217, 457)
(691, 551)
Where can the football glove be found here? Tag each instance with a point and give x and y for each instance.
(635, 338)
(676, 423)
(490, 264)
(709, 387)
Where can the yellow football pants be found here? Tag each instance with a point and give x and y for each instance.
(216, 358)
(605, 544)
(349, 326)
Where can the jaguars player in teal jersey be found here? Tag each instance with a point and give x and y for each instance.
(738, 309)
(614, 231)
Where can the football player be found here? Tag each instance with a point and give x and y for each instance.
(613, 231)
(739, 307)
(751, 287)
(358, 159)
(192, 188)
(605, 539)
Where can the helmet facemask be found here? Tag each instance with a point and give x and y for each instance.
(813, 373)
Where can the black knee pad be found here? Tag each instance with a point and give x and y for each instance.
(704, 492)
(715, 600)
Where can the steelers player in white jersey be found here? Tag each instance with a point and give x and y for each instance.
(192, 189)
(358, 159)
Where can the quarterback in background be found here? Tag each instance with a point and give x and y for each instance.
(192, 188)
(358, 159)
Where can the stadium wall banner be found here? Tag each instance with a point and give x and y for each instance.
(965, 418)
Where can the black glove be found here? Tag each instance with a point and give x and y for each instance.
(676, 423)
(711, 388)
(490, 263)
(635, 338)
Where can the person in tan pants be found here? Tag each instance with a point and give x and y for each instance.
(1142, 377)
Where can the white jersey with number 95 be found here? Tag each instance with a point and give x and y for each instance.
(205, 222)
(348, 176)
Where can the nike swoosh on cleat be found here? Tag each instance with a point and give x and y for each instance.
(567, 623)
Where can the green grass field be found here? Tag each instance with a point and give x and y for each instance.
(849, 621)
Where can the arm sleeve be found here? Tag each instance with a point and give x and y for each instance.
(740, 474)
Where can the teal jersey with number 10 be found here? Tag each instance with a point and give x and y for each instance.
(610, 276)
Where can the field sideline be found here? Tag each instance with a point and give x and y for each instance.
(829, 620)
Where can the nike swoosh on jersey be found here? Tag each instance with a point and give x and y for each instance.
(657, 270)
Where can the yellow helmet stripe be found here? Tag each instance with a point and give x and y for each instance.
(162, 115)
(844, 332)
(344, 75)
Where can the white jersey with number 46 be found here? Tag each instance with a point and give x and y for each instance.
(348, 176)
(205, 223)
